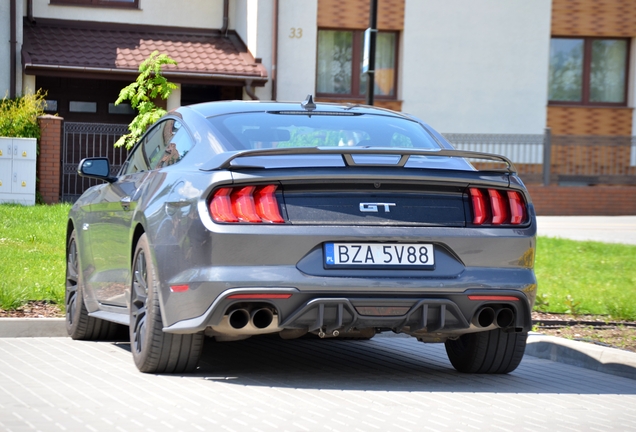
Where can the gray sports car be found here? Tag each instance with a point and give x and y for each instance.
(237, 219)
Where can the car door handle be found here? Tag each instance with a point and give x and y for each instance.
(125, 202)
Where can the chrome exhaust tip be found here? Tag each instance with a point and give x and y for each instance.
(484, 317)
(262, 318)
(505, 317)
(238, 318)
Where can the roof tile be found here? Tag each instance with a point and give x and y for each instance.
(62, 44)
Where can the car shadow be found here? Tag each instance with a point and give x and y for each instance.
(382, 364)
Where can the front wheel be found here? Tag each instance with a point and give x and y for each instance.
(153, 350)
(494, 352)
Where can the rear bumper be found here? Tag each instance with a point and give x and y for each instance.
(434, 316)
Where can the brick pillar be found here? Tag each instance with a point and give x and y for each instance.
(50, 158)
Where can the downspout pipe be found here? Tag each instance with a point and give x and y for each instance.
(13, 43)
(30, 11)
(226, 20)
(274, 50)
(250, 90)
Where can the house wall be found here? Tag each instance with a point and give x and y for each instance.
(603, 18)
(205, 14)
(476, 66)
(296, 69)
(5, 51)
(5, 48)
(253, 21)
(631, 95)
(354, 14)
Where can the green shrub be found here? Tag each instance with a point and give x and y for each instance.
(149, 85)
(19, 116)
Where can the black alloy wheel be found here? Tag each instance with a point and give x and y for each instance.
(153, 350)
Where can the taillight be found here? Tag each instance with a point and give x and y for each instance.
(250, 204)
(517, 208)
(221, 206)
(266, 204)
(479, 206)
(497, 207)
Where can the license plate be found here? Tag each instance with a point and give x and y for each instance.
(412, 255)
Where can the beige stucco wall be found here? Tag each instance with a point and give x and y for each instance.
(296, 55)
(476, 66)
(191, 13)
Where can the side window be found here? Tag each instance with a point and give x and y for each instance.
(135, 162)
(167, 144)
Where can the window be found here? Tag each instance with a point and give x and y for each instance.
(132, 4)
(319, 129)
(340, 55)
(164, 145)
(588, 71)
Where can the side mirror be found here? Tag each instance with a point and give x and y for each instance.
(98, 168)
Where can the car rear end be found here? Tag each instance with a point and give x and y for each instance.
(347, 241)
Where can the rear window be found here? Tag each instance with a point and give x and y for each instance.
(246, 131)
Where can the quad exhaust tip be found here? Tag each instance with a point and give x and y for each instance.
(238, 318)
(503, 317)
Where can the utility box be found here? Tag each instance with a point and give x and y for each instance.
(17, 170)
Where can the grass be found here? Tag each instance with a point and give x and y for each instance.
(574, 277)
(588, 277)
(32, 253)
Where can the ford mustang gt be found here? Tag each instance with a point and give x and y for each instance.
(238, 219)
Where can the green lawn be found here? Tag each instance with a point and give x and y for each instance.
(32, 249)
(574, 277)
(599, 278)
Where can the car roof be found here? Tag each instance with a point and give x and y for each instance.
(210, 109)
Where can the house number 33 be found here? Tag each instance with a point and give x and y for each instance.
(295, 33)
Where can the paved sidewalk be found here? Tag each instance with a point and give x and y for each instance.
(608, 229)
(385, 384)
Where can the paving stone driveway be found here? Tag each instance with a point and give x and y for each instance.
(388, 383)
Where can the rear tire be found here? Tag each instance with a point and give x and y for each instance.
(78, 324)
(153, 350)
(493, 352)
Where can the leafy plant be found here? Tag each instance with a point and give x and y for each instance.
(542, 302)
(573, 307)
(149, 85)
(19, 116)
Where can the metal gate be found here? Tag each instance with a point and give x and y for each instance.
(82, 140)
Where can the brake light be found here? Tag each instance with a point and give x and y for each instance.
(248, 204)
(243, 205)
(497, 207)
(479, 206)
(266, 204)
(517, 208)
(221, 206)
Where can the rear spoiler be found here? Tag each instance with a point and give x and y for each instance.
(224, 160)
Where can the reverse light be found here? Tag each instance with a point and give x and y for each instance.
(247, 204)
(497, 207)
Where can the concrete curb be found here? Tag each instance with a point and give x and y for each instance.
(32, 327)
(586, 355)
(607, 360)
